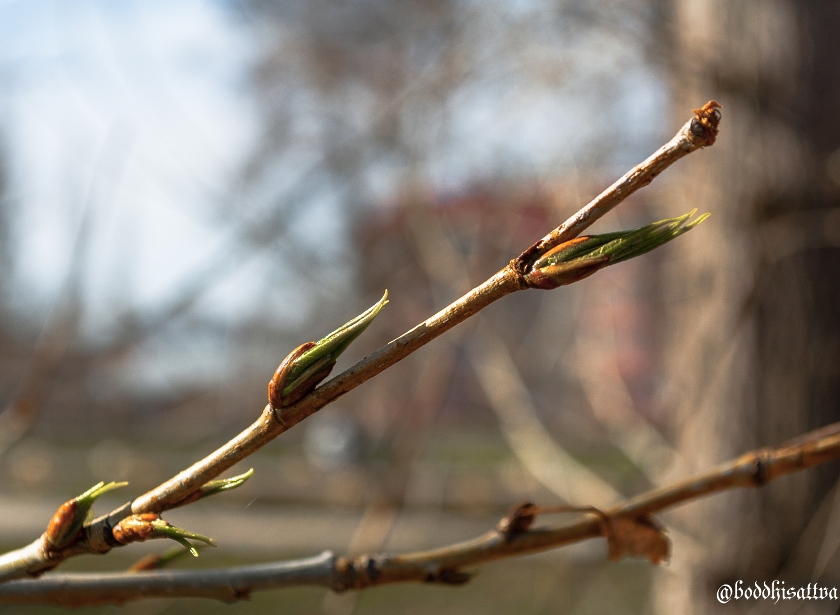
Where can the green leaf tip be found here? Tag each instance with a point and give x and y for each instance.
(579, 258)
(225, 484)
(315, 362)
(213, 487)
(145, 526)
(99, 489)
(338, 341)
(180, 535)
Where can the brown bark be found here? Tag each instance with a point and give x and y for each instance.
(628, 527)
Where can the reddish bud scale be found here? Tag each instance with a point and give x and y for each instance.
(554, 276)
(135, 528)
(278, 381)
(61, 523)
(308, 385)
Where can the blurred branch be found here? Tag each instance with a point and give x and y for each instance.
(528, 438)
(48, 355)
(506, 392)
(613, 407)
(51, 348)
(97, 537)
(627, 526)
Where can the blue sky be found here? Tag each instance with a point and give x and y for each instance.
(139, 117)
(137, 112)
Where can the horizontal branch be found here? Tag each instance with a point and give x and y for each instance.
(39, 557)
(227, 584)
(444, 565)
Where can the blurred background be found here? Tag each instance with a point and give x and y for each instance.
(190, 189)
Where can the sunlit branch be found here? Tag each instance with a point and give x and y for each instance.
(514, 536)
(39, 557)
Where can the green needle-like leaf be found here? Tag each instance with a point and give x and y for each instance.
(643, 240)
(163, 530)
(87, 499)
(215, 486)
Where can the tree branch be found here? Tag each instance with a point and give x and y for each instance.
(39, 556)
(699, 131)
(444, 565)
(696, 133)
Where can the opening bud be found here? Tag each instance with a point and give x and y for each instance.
(306, 366)
(579, 258)
(69, 520)
(139, 528)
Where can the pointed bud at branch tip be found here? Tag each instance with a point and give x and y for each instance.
(67, 522)
(579, 258)
(306, 366)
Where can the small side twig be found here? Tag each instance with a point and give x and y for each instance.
(514, 536)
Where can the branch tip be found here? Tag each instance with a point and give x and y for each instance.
(706, 122)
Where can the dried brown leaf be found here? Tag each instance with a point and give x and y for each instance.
(636, 537)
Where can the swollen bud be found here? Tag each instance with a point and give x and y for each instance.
(68, 521)
(579, 258)
(138, 528)
(308, 364)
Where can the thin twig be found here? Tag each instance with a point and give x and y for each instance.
(38, 557)
(692, 136)
(443, 565)
(699, 131)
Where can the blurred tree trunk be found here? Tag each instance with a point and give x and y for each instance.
(754, 339)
